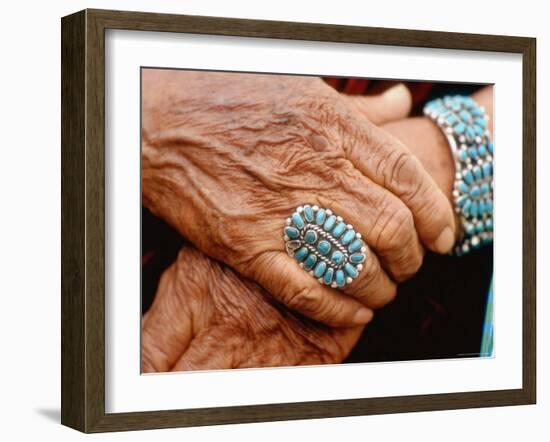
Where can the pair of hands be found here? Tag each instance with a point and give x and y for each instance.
(226, 158)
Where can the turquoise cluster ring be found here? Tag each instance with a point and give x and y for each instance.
(464, 123)
(324, 245)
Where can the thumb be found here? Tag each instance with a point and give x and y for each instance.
(393, 104)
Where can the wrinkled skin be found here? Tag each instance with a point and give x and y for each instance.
(206, 317)
(228, 157)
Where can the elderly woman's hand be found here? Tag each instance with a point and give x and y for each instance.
(207, 317)
(227, 158)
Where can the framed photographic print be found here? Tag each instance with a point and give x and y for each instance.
(267, 220)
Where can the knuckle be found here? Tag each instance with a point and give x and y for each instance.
(403, 174)
(397, 230)
(305, 300)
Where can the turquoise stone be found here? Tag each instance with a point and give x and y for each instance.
(487, 170)
(338, 230)
(478, 129)
(348, 237)
(485, 188)
(466, 207)
(470, 229)
(489, 205)
(357, 258)
(481, 122)
(489, 224)
(468, 177)
(475, 191)
(470, 133)
(460, 128)
(472, 151)
(491, 147)
(321, 216)
(476, 111)
(329, 223)
(462, 155)
(474, 209)
(323, 247)
(340, 278)
(465, 115)
(297, 220)
(477, 172)
(482, 207)
(310, 237)
(301, 254)
(308, 214)
(355, 245)
(482, 150)
(452, 119)
(461, 200)
(328, 275)
(337, 257)
(320, 269)
(463, 187)
(351, 270)
(310, 262)
(292, 232)
(480, 227)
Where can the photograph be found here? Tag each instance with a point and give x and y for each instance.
(301, 220)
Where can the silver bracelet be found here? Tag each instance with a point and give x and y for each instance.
(464, 124)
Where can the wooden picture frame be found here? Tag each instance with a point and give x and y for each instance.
(83, 219)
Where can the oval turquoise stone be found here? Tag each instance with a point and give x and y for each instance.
(470, 229)
(468, 177)
(338, 230)
(310, 262)
(465, 115)
(475, 191)
(452, 119)
(460, 128)
(472, 151)
(474, 209)
(462, 155)
(340, 278)
(466, 207)
(463, 187)
(297, 220)
(461, 200)
(323, 247)
(355, 245)
(485, 188)
(489, 224)
(481, 122)
(320, 269)
(301, 254)
(478, 129)
(329, 223)
(351, 270)
(482, 208)
(310, 237)
(487, 170)
(491, 147)
(357, 258)
(348, 237)
(477, 172)
(308, 213)
(328, 275)
(470, 133)
(482, 150)
(337, 257)
(320, 218)
(480, 227)
(292, 232)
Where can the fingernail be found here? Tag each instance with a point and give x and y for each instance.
(362, 316)
(445, 240)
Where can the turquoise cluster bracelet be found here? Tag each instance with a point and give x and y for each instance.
(464, 123)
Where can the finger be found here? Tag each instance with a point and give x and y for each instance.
(386, 225)
(167, 328)
(385, 160)
(393, 104)
(300, 291)
(206, 352)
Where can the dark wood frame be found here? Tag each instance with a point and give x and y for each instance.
(83, 216)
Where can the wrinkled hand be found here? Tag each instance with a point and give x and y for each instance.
(206, 317)
(227, 158)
